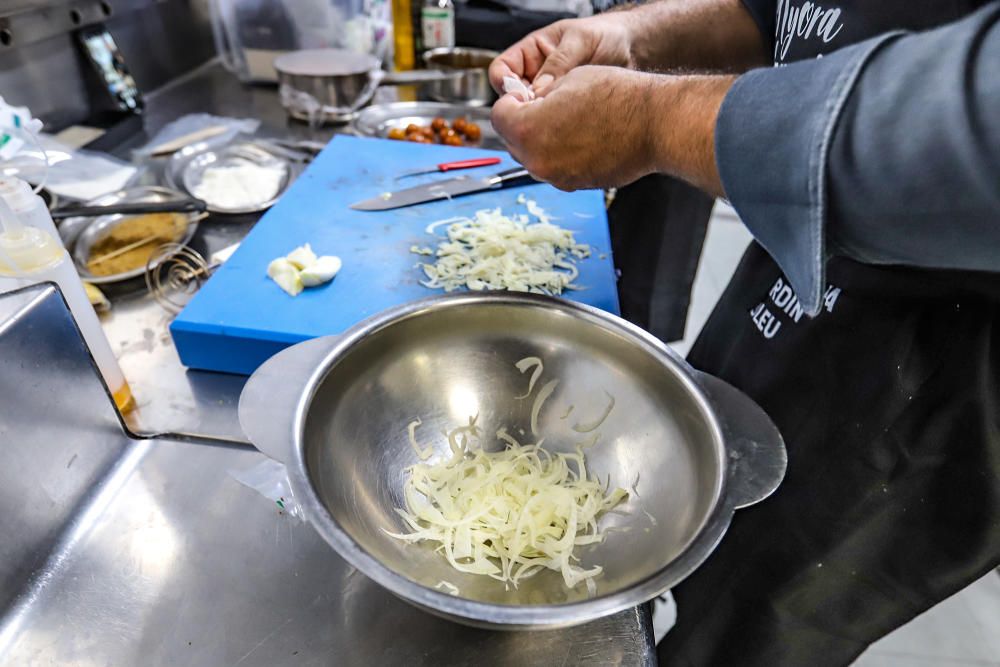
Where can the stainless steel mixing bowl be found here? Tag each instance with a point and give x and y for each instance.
(331, 85)
(473, 86)
(326, 84)
(335, 411)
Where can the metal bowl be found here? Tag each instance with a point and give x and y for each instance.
(336, 410)
(473, 86)
(186, 167)
(326, 85)
(377, 120)
(81, 234)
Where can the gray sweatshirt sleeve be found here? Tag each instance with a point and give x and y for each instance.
(887, 151)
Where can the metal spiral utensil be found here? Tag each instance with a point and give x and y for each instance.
(174, 273)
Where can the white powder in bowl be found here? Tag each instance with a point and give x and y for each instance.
(239, 185)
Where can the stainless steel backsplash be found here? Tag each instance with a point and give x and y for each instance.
(41, 66)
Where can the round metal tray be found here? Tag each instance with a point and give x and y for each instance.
(81, 234)
(377, 120)
(186, 167)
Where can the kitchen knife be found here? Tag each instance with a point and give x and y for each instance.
(446, 189)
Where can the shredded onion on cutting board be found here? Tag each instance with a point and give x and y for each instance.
(493, 251)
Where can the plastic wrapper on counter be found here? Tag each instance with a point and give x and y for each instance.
(72, 172)
(270, 479)
(196, 122)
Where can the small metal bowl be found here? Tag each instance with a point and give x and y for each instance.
(473, 86)
(377, 120)
(81, 234)
(689, 448)
(187, 166)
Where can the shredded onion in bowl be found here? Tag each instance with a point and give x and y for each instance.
(592, 426)
(523, 366)
(508, 514)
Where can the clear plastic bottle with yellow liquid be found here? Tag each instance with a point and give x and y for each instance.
(30, 255)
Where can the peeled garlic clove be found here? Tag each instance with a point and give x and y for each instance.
(321, 271)
(513, 85)
(302, 257)
(286, 275)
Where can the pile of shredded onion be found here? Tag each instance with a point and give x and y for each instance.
(495, 252)
(509, 514)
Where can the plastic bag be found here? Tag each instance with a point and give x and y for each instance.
(249, 34)
(270, 479)
(195, 122)
(72, 172)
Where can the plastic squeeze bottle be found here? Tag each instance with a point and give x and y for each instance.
(29, 255)
(29, 208)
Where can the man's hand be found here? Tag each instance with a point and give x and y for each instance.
(589, 130)
(548, 54)
(706, 35)
(608, 126)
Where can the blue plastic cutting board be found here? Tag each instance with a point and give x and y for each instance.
(240, 317)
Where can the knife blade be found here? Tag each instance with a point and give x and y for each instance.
(446, 189)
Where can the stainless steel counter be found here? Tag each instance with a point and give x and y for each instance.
(147, 552)
(170, 398)
(139, 551)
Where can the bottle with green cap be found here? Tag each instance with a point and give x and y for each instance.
(29, 255)
(437, 23)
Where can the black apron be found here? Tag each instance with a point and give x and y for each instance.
(888, 402)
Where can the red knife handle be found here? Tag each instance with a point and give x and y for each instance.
(468, 164)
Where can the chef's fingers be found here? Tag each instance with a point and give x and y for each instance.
(513, 120)
(506, 64)
(505, 117)
(521, 60)
(520, 156)
(572, 51)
